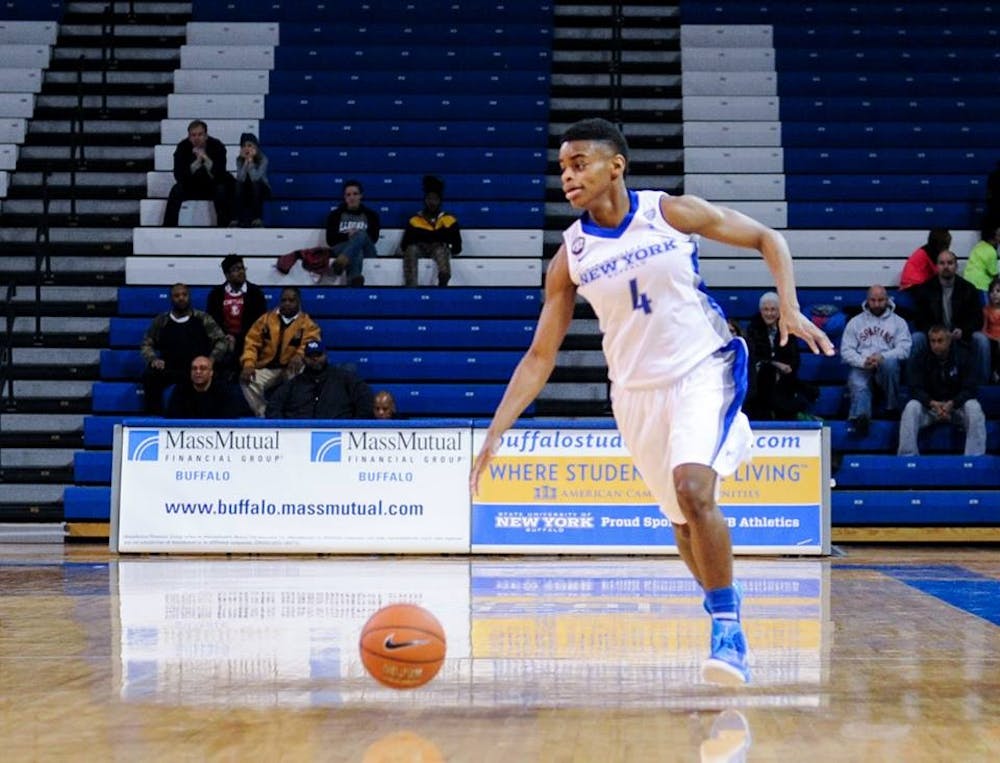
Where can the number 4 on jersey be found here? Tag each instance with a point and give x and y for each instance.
(640, 300)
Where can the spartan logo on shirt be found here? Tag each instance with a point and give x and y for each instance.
(577, 247)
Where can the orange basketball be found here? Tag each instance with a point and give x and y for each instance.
(402, 646)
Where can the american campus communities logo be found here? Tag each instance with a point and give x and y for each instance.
(144, 445)
(325, 447)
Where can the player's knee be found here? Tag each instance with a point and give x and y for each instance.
(695, 494)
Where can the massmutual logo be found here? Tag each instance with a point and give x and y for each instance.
(143, 445)
(325, 447)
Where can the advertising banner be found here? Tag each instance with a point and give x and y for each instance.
(194, 487)
(575, 489)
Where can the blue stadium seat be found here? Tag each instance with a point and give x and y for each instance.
(324, 302)
(447, 400)
(883, 437)
(743, 303)
(30, 10)
(929, 189)
(859, 108)
(386, 333)
(916, 507)
(860, 59)
(386, 187)
(414, 31)
(92, 467)
(444, 160)
(394, 214)
(117, 397)
(461, 81)
(383, 133)
(963, 161)
(945, 471)
(794, 13)
(423, 106)
(922, 135)
(121, 364)
(883, 215)
(893, 83)
(900, 36)
(415, 56)
(313, 11)
(90, 503)
(98, 431)
(380, 366)
(421, 334)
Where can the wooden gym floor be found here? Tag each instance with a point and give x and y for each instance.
(882, 654)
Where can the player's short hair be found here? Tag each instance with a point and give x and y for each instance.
(600, 130)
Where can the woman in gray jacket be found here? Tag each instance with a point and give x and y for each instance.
(252, 186)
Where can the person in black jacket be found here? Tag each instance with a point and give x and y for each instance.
(777, 393)
(943, 388)
(352, 230)
(321, 391)
(200, 172)
(202, 396)
(951, 301)
(235, 305)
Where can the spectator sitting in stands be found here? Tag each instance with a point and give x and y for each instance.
(200, 396)
(384, 406)
(431, 233)
(778, 393)
(957, 305)
(352, 230)
(876, 345)
(942, 382)
(921, 266)
(321, 391)
(200, 172)
(235, 305)
(274, 348)
(981, 267)
(991, 327)
(172, 341)
(252, 186)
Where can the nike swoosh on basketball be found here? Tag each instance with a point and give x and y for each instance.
(390, 644)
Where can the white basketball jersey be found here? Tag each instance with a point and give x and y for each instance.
(642, 280)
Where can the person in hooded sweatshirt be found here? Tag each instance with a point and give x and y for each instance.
(876, 344)
(252, 186)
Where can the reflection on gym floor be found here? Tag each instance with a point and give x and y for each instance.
(524, 633)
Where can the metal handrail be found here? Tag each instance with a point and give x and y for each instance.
(7, 350)
(615, 109)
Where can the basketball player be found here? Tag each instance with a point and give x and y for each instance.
(678, 376)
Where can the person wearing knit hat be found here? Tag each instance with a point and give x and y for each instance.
(234, 305)
(431, 233)
(252, 186)
(200, 173)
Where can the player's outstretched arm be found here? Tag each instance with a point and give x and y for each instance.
(692, 214)
(536, 366)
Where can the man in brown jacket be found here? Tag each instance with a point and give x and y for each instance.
(274, 347)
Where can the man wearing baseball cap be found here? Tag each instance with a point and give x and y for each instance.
(321, 391)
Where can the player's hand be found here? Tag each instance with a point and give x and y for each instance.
(247, 375)
(794, 322)
(486, 453)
